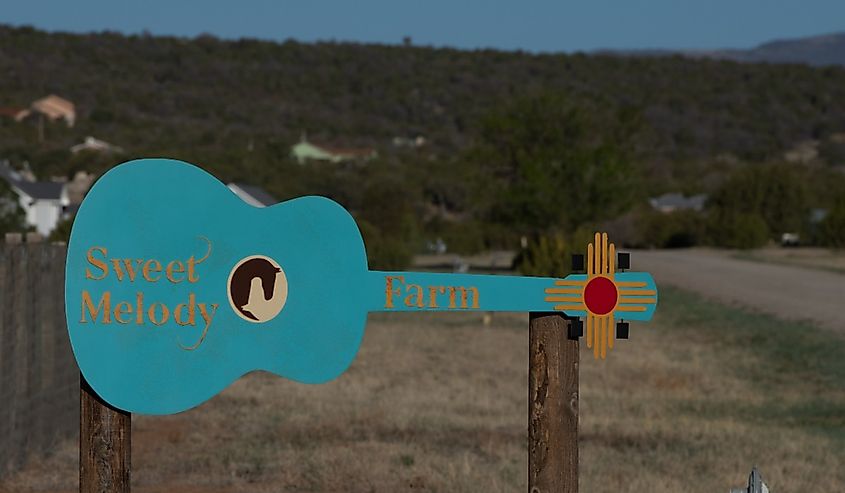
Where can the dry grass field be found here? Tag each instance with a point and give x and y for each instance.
(438, 402)
(815, 258)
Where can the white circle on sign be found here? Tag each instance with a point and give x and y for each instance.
(257, 288)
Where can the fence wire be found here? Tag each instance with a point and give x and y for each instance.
(39, 379)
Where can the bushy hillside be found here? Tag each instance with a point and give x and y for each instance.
(236, 107)
(160, 94)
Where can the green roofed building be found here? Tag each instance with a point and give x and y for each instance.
(305, 150)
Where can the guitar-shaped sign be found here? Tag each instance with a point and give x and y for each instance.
(175, 288)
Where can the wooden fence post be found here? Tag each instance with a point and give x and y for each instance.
(104, 444)
(552, 405)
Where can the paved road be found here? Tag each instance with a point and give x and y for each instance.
(785, 291)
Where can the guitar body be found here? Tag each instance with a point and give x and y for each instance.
(160, 213)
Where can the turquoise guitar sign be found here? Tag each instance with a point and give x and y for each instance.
(175, 288)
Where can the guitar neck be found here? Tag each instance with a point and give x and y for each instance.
(433, 291)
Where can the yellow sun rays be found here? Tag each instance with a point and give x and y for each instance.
(569, 294)
(601, 259)
(632, 296)
(573, 292)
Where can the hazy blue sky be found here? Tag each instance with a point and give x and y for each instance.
(561, 25)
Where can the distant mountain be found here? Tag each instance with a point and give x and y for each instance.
(827, 49)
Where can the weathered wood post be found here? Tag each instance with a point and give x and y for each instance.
(104, 444)
(552, 405)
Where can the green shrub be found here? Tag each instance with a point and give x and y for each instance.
(678, 229)
(776, 193)
(546, 255)
(738, 230)
(550, 254)
(464, 238)
(832, 228)
(62, 231)
(12, 217)
(385, 252)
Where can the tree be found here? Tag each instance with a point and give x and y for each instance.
(388, 222)
(62, 231)
(777, 194)
(832, 227)
(12, 218)
(732, 229)
(551, 162)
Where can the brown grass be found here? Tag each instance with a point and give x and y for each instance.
(811, 257)
(437, 402)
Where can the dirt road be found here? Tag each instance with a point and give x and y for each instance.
(789, 292)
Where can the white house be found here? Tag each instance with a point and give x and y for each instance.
(252, 195)
(93, 144)
(43, 202)
(671, 202)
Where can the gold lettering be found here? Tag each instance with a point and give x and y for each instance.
(410, 301)
(121, 309)
(152, 266)
(175, 267)
(464, 302)
(414, 295)
(165, 313)
(192, 263)
(452, 297)
(96, 263)
(139, 310)
(130, 269)
(207, 316)
(464, 297)
(150, 269)
(104, 305)
(191, 306)
(389, 291)
(432, 295)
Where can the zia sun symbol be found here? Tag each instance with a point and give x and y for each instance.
(599, 296)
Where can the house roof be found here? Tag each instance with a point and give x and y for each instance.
(44, 190)
(679, 201)
(256, 193)
(94, 144)
(332, 151)
(346, 151)
(14, 112)
(55, 107)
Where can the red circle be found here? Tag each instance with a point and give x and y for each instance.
(600, 295)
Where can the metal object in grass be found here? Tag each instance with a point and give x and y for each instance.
(755, 484)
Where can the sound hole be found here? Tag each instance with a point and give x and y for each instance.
(258, 288)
